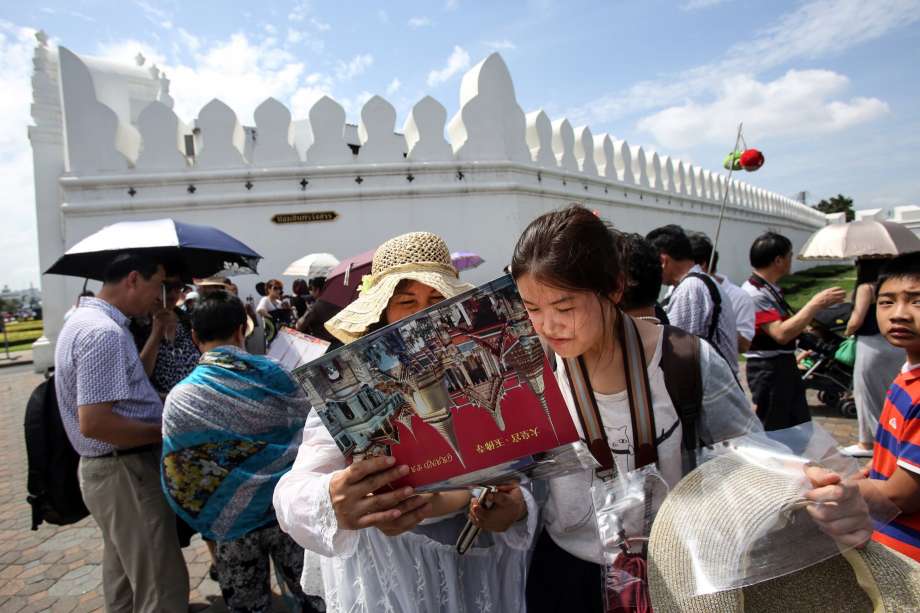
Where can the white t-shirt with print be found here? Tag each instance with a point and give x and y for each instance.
(726, 413)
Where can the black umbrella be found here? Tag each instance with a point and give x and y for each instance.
(200, 251)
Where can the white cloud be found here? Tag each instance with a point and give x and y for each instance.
(304, 98)
(294, 36)
(17, 208)
(354, 67)
(155, 15)
(354, 104)
(500, 45)
(393, 87)
(797, 104)
(816, 29)
(383, 16)
(695, 5)
(239, 71)
(459, 60)
(190, 40)
(321, 26)
(419, 22)
(451, 5)
(124, 51)
(299, 12)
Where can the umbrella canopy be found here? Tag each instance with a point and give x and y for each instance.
(311, 266)
(465, 260)
(866, 238)
(201, 251)
(343, 280)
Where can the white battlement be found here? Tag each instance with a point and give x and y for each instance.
(109, 147)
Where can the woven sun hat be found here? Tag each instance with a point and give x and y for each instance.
(730, 529)
(419, 256)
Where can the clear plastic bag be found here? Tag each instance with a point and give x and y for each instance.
(625, 508)
(742, 517)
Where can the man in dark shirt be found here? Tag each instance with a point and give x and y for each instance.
(772, 374)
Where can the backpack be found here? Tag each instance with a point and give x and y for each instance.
(680, 363)
(53, 484)
(716, 298)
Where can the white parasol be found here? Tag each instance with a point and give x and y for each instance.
(860, 239)
(312, 265)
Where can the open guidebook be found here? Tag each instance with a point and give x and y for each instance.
(461, 392)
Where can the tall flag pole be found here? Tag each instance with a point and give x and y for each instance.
(731, 169)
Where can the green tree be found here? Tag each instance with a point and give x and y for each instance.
(837, 204)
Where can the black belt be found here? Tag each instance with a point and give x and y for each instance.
(130, 451)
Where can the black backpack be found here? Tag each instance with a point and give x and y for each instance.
(53, 484)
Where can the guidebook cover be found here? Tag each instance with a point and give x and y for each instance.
(461, 387)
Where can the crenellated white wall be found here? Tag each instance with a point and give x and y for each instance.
(477, 179)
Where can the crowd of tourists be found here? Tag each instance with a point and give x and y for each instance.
(183, 427)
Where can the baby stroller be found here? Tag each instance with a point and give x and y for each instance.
(832, 379)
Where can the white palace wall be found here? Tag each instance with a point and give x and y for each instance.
(477, 179)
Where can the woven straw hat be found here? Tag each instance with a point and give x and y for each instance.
(420, 256)
(874, 578)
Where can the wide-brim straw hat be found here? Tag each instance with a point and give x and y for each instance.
(419, 256)
(874, 578)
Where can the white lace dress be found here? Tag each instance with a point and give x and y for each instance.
(418, 571)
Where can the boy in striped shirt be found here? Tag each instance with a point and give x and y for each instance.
(896, 460)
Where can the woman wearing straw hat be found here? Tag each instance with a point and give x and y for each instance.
(569, 267)
(396, 551)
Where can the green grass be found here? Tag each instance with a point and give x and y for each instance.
(800, 287)
(22, 334)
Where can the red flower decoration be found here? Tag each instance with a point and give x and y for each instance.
(751, 160)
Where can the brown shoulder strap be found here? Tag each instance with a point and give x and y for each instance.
(680, 363)
(640, 402)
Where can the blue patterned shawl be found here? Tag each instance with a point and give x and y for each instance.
(231, 429)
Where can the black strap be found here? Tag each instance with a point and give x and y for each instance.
(716, 303)
(761, 283)
(640, 402)
(680, 364)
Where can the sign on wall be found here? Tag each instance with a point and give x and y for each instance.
(285, 218)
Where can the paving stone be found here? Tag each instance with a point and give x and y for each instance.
(63, 606)
(15, 604)
(11, 572)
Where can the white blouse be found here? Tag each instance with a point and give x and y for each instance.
(417, 571)
(726, 413)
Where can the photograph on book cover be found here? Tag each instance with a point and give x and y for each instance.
(459, 388)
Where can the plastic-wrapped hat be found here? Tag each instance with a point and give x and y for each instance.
(420, 256)
(719, 523)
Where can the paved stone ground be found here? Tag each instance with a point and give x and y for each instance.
(59, 568)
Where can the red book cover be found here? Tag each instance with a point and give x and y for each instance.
(459, 388)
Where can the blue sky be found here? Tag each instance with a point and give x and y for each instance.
(828, 89)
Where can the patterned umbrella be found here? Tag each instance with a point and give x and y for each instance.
(465, 260)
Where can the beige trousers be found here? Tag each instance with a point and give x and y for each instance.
(143, 570)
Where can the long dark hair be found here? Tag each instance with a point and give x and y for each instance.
(868, 269)
(572, 248)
